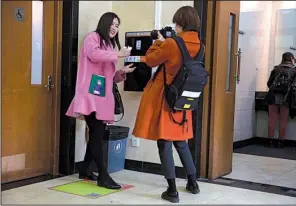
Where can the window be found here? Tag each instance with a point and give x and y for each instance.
(231, 34)
(37, 42)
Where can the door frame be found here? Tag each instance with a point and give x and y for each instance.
(202, 117)
(55, 123)
(208, 90)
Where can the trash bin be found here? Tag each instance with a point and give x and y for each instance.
(116, 148)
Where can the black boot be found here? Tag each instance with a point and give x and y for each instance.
(84, 172)
(106, 181)
(88, 176)
(280, 143)
(270, 142)
(171, 194)
(192, 185)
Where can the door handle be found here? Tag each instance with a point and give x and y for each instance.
(49, 84)
(238, 55)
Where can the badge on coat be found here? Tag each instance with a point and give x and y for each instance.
(97, 85)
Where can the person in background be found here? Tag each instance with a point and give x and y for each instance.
(98, 56)
(153, 121)
(279, 82)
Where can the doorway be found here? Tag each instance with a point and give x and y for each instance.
(256, 35)
(31, 44)
(265, 34)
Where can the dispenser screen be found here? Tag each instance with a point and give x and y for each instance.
(140, 43)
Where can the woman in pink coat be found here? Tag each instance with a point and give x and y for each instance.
(94, 100)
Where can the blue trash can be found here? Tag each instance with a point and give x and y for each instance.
(116, 147)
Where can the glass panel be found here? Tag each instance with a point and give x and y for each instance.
(230, 52)
(37, 42)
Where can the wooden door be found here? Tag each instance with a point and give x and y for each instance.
(27, 103)
(225, 64)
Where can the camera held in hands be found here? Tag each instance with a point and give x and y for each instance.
(166, 32)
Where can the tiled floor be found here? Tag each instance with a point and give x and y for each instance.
(147, 190)
(267, 170)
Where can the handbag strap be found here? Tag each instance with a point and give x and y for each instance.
(120, 101)
(122, 109)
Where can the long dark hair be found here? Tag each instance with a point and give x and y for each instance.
(103, 29)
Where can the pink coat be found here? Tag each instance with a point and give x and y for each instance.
(94, 60)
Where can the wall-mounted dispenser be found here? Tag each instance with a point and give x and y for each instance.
(140, 43)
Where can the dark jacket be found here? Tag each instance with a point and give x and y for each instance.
(280, 99)
(292, 94)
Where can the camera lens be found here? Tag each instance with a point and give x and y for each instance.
(154, 34)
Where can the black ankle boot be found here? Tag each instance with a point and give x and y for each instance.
(107, 182)
(192, 185)
(171, 194)
(90, 176)
(280, 143)
(269, 143)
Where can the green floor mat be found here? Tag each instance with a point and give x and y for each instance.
(87, 189)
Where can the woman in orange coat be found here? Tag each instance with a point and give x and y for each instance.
(153, 119)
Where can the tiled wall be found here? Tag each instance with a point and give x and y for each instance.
(262, 126)
(255, 23)
(287, 38)
(259, 54)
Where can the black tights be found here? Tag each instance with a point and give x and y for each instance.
(95, 145)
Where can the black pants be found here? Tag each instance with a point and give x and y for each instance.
(95, 145)
(167, 160)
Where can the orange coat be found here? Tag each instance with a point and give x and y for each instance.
(153, 121)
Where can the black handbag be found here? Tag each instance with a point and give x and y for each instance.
(119, 108)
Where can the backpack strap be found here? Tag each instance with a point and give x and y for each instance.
(200, 54)
(156, 72)
(184, 119)
(184, 51)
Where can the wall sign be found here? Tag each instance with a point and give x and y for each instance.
(19, 14)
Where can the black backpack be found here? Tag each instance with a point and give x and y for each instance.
(183, 94)
(282, 82)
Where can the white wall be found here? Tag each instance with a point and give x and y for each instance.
(135, 16)
(286, 37)
(255, 21)
(261, 50)
(168, 9)
(262, 126)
